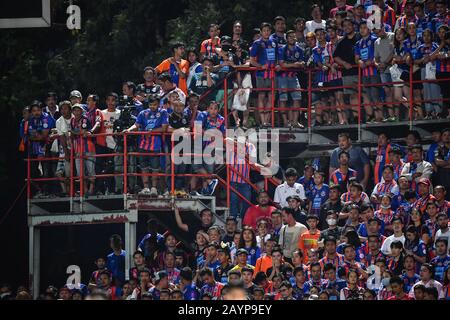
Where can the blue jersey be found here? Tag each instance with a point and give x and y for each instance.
(290, 55)
(431, 151)
(365, 49)
(412, 46)
(191, 292)
(321, 56)
(265, 52)
(318, 198)
(421, 25)
(253, 255)
(159, 239)
(148, 120)
(334, 286)
(209, 123)
(116, 264)
(35, 126)
(440, 265)
(307, 184)
(408, 282)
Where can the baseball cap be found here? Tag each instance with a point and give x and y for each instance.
(396, 150)
(75, 94)
(159, 275)
(77, 105)
(425, 181)
(241, 251)
(293, 197)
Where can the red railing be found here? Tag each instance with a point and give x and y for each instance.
(82, 157)
(223, 181)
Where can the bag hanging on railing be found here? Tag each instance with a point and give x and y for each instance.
(395, 73)
(242, 95)
(430, 71)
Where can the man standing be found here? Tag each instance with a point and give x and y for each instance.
(154, 119)
(290, 233)
(358, 159)
(344, 55)
(442, 159)
(176, 66)
(110, 115)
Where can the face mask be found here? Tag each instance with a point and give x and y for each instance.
(331, 222)
(385, 282)
(385, 207)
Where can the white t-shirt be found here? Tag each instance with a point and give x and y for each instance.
(108, 122)
(62, 127)
(283, 191)
(289, 238)
(311, 26)
(386, 247)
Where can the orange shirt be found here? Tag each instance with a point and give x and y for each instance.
(308, 241)
(262, 264)
(166, 66)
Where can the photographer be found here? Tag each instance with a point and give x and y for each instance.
(202, 82)
(129, 98)
(125, 120)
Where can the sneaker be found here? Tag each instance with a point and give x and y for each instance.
(194, 194)
(38, 195)
(181, 193)
(145, 191)
(209, 190)
(166, 194)
(153, 192)
(298, 125)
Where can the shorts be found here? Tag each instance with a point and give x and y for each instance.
(334, 83)
(63, 168)
(367, 80)
(318, 95)
(263, 83)
(149, 162)
(386, 77)
(351, 81)
(89, 165)
(289, 83)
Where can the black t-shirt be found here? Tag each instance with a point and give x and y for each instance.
(327, 206)
(345, 50)
(300, 216)
(178, 121)
(148, 90)
(336, 233)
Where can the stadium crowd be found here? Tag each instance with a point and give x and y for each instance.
(350, 231)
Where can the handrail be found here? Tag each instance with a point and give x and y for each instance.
(226, 182)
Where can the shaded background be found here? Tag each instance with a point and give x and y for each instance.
(117, 40)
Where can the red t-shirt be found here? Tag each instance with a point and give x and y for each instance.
(253, 213)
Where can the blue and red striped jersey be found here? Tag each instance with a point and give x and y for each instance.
(365, 49)
(380, 161)
(265, 52)
(290, 55)
(443, 65)
(238, 161)
(82, 144)
(148, 120)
